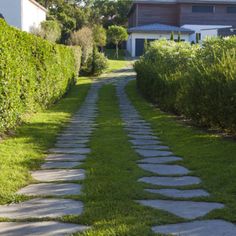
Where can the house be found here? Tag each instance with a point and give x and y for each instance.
(155, 19)
(23, 14)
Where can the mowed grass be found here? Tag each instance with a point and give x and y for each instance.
(111, 187)
(209, 156)
(27, 149)
(115, 63)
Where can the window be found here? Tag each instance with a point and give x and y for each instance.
(203, 9)
(231, 9)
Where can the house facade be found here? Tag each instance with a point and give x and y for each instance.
(23, 14)
(155, 19)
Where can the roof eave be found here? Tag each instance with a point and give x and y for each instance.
(159, 31)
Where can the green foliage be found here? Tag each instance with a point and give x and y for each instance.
(199, 83)
(116, 35)
(172, 36)
(179, 37)
(96, 64)
(34, 73)
(49, 30)
(99, 36)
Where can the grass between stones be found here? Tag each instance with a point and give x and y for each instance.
(111, 186)
(26, 150)
(113, 62)
(209, 156)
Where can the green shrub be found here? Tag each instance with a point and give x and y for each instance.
(197, 82)
(96, 64)
(34, 74)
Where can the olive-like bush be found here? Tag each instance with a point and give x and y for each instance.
(197, 82)
(34, 73)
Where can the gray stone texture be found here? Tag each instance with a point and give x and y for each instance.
(153, 153)
(171, 181)
(160, 160)
(176, 193)
(60, 165)
(198, 228)
(152, 147)
(40, 208)
(142, 142)
(51, 189)
(184, 209)
(70, 150)
(165, 169)
(58, 175)
(65, 157)
(45, 228)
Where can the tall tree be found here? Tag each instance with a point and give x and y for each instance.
(116, 35)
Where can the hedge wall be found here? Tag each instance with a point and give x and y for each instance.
(197, 82)
(34, 73)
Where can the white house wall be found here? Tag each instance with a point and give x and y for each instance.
(11, 11)
(205, 30)
(32, 15)
(131, 43)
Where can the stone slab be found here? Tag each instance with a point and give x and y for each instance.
(171, 181)
(60, 165)
(70, 139)
(151, 147)
(198, 228)
(176, 193)
(165, 169)
(140, 136)
(141, 133)
(184, 209)
(70, 145)
(153, 153)
(40, 208)
(160, 160)
(45, 228)
(143, 142)
(65, 157)
(58, 175)
(51, 189)
(70, 150)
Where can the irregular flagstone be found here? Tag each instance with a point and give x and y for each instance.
(58, 175)
(152, 147)
(65, 157)
(184, 209)
(142, 132)
(45, 228)
(70, 145)
(59, 165)
(71, 139)
(171, 181)
(176, 193)
(70, 150)
(51, 189)
(142, 142)
(165, 169)
(198, 228)
(140, 136)
(160, 160)
(40, 208)
(153, 153)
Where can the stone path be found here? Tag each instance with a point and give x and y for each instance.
(54, 181)
(168, 178)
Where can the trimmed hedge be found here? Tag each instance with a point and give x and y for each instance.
(34, 73)
(197, 82)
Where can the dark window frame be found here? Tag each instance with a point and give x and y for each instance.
(200, 9)
(232, 8)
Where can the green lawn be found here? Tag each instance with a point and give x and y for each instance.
(26, 150)
(114, 63)
(209, 156)
(111, 185)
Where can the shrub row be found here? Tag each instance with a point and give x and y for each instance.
(197, 82)
(34, 73)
